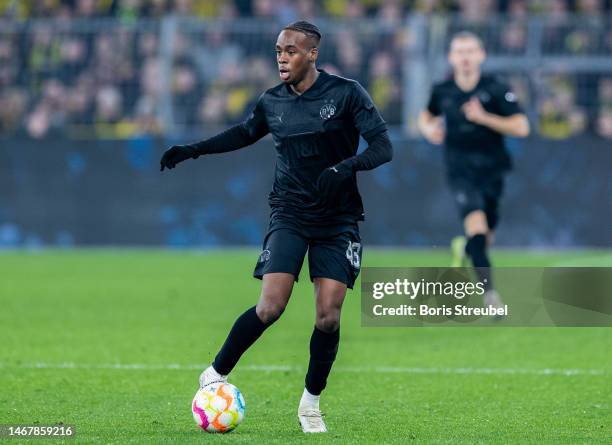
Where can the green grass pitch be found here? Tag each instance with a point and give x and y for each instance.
(113, 341)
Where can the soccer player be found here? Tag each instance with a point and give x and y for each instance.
(315, 119)
(471, 113)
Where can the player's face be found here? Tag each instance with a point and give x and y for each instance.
(294, 55)
(466, 55)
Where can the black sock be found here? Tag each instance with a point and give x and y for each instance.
(476, 248)
(246, 330)
(323, 350)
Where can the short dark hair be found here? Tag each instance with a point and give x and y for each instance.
(467, 35)
(311, 31)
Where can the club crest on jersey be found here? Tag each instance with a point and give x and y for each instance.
(327, 111)
(510, 96)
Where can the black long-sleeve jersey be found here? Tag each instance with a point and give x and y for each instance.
(312, 131)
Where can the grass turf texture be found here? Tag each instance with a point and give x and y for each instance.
(93, 307)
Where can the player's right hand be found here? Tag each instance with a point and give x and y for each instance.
(435, 133)
(176, 154)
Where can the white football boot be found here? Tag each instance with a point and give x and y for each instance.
(311, 421)
(309, 415)
(209, 376)
(492, 298)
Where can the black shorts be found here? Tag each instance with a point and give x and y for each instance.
(478, 192)
(333, 251)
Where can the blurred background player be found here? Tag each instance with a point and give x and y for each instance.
(471, 113)
(315, 119)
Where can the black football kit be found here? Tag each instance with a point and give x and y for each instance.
(315, 204)
(475, 156)
(314, 200)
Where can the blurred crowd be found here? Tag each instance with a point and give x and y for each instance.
(118, 75)
(287, 10)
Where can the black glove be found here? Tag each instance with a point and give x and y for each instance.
(333, 183)
(176, 154)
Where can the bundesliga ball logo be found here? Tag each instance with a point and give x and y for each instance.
(218, 408)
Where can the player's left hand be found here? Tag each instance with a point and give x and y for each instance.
(474, 111)
(176, 154)
(332, 183)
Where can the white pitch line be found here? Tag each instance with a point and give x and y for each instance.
(337, 369)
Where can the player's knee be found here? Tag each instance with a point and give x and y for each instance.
(475, 222)
(328, 321)
(269, 311)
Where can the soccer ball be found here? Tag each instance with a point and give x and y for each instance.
(218, 407)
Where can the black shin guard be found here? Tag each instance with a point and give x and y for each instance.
(323, 350)
(246, 330)
(476, 249)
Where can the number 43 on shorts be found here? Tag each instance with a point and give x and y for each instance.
(353, 252)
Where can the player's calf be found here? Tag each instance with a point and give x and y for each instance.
(246, 330)
(476, 249)
(275, 294)
(323, 351)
